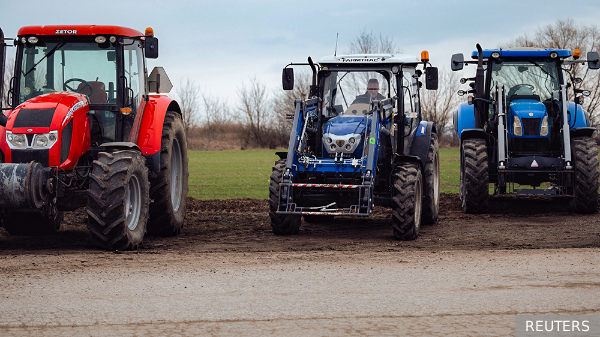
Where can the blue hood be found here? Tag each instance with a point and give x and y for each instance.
(344, 125)
(530, 112)
(528, 108)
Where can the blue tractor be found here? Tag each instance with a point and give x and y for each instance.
(519, 132)
(358, 141)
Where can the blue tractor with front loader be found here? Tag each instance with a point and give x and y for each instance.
(519, 132)
(358, 141)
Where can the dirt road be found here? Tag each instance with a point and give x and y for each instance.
(226, 274)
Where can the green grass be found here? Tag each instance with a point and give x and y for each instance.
(245, 173)
(449, 170)
(230, 174)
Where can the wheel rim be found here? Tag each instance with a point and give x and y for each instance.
(418, 201)
(133, 203)
(176, 174)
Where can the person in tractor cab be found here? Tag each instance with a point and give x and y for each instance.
(372, 93)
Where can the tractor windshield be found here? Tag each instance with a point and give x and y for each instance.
(69, 64)
(525, 78)
(348, 92)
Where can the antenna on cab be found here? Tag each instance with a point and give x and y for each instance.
(337, 35)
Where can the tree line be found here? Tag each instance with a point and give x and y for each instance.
(258, 117)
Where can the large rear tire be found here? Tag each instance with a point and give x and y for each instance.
(587, 173)
(169, 190)
(407, 195)
(431, 177)
(280, 223)
(474, 182)
(118, 200)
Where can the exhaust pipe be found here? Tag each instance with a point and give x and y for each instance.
(23, 186)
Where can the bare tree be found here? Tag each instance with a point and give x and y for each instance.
(369, 43)
(254, 106)
(566, 34)
(437, 105)
(283, 105)
(188, 92)
(216, 114)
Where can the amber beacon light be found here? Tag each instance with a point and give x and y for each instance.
(149, 32)
(424, 56)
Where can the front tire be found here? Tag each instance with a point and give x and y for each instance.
(169, 190)
(431, 177)
(118, 200)
(282, 224)
(587, 173)
(407, 195)
(474, 182)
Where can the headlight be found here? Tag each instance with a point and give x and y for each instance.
(351, 140)
(332, 147)
(544, 129)
(19, 140)
(495, 54)
(348, 147)
(517, 128)
(328, 140)
(40, 141)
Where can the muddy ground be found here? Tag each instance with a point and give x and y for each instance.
(243, 226)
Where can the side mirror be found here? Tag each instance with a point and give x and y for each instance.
(151, 47)
(111, 56)
(431, 78)
(159, 82)
(593, 60)
(457, 62)
(287, 79)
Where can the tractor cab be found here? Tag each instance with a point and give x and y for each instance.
(104, 63)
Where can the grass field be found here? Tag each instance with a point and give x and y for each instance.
(245, 174)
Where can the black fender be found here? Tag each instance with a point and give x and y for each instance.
(421, 141)
(473, 133)
(281, 154)
(582, 132)
(152, 160)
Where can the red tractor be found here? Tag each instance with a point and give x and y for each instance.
(80, 129)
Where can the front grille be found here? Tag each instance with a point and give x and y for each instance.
(26, 156)
(34, 118)
(531, 126)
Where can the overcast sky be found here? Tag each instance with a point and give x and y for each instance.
(220, 44)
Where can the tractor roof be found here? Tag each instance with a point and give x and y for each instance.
(78, 30)
(370, 59)
(524, 52)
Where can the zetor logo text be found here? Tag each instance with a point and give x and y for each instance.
(65, 31)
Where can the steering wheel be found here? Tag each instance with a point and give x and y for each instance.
(516, 88)
(85, 84)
